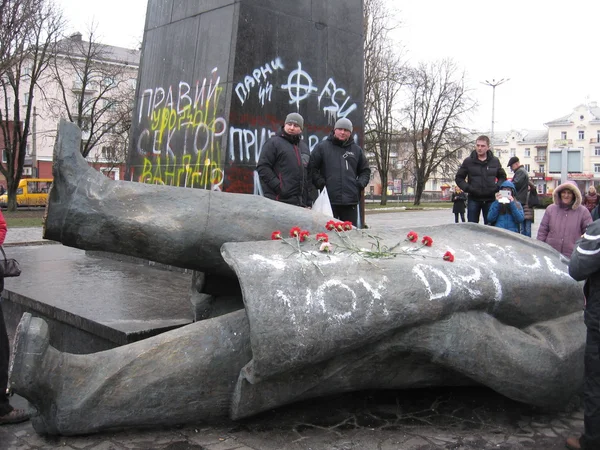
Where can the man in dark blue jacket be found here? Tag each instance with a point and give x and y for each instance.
(339, 164)
(585, 265)
(480, 176)
(283, 164)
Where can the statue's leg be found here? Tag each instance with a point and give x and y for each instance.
(541, 364)
(175, 226)
(184, 375)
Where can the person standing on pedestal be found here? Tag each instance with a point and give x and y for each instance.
(339, 164)
(8, 414)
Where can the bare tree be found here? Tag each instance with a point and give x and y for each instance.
(27, 49)
(438, 102)
(115, 143)
(101, 91)
(384, 77)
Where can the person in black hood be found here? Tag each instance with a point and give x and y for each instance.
(283, 164)
(480, 176)
(339, 164)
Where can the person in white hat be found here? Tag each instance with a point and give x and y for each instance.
(339, 164)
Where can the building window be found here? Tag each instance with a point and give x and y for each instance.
(597, 151)
(26, 99)
(581, 135)
(563, 135)
(513, 152)
(542, 168)
(596, 168)
(598, 136)
(527, 167)
(4, 160)
(108, 153)
(527, 153)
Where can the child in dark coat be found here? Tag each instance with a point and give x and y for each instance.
(459, 199)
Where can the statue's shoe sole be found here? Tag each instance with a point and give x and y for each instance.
(31, 342)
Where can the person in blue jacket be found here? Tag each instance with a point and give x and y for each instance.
(506, 212)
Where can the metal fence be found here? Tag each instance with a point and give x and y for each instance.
(427, 196)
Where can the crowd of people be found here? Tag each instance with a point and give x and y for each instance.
(289, 172)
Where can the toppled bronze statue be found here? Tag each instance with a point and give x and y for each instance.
(504, 314)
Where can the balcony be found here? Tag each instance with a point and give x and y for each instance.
(593, 141)
(539, 158)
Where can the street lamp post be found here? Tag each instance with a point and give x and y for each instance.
(493, 84)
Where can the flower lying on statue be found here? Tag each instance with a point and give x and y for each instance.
(326, 247)
(333, 225)
(448, 257)
(346, 244)
(322, 237)
(412, 236)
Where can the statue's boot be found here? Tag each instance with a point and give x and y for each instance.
(185, 375)
(175, 226)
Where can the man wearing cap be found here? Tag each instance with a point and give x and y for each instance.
(339, 164)
(480, 175)
(521, 182)
(283, 164)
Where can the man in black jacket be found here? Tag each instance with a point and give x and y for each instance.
(585, 265)
(480, 176)
(339, 164)
(283, 164)
(521, 182)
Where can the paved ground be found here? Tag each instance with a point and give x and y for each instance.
(426, 419)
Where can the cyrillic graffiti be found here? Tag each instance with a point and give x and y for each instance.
(190, 119)
(182, 139)
(258, 78)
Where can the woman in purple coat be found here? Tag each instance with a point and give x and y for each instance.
(564, 221)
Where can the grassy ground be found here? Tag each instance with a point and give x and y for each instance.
(24, 218)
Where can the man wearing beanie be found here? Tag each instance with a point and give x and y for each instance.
(283, 164)
(340, 164)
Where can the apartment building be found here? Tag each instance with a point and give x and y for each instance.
(103, 89)
(530, 146)
(575, 139)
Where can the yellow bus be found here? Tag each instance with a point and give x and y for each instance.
(31, 192)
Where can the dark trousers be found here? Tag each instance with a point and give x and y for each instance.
(5, 407)
(345, 213)
(591, 387)
(462, 217)
(475, 207)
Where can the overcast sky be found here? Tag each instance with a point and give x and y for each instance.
(548, 50)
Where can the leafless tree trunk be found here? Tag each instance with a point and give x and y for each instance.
(29, 32)
(437, 106)
(384, 77)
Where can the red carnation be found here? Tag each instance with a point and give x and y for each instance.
(322, 237)
(448, 257)
(303, 235)
(339, 226)
(295, 232)
(427, 241)
(330, 225)
(412, 236)
(276, 235)
(347, 226)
